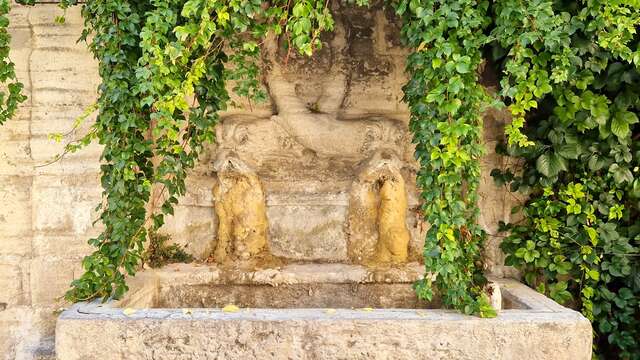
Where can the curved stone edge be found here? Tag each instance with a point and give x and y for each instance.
(312, 333)
(545, 330)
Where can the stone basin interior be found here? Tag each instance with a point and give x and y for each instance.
(292, 286)
(323, 295)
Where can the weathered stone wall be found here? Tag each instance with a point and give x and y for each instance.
(46, 212)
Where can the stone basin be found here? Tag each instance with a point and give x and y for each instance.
(311, 311)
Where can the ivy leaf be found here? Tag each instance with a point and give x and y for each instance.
(620, 174)
(452, 106)
(189, 8)
(619, 127)
(595, 162)
(559, 293)
(300, 10)
(593, 234)
(550, 164)
(573, 207)
(593, 274)
(570, 151)
(462, 67)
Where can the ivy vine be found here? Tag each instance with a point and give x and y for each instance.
(153, 56)
(572, 68)
(446, 104)
(11, 94)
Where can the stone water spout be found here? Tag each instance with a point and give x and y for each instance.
(377, 212)
(240, 207)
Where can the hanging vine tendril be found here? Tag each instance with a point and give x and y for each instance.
(446, 103)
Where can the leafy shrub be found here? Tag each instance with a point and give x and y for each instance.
(160, 252)
(579, 239)
(571, 70)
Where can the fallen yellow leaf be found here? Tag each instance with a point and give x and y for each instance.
(367, 309)
(230, 308)
(187, 311)
(129, 311)
(330, 311)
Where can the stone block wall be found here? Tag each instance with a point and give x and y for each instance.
(46, 212)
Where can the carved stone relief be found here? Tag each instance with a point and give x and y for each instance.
(316, 181)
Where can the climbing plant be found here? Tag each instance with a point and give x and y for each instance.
(568, 75)
(10, 95)
(164, 65)
(446, 104)
(571, 70)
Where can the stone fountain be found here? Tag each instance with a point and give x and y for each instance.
(318, 236)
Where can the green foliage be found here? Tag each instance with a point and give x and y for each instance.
(579, 240)
(10, 95)
(581, 248)
(446, 103)
(164, 65)
(159, 253)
